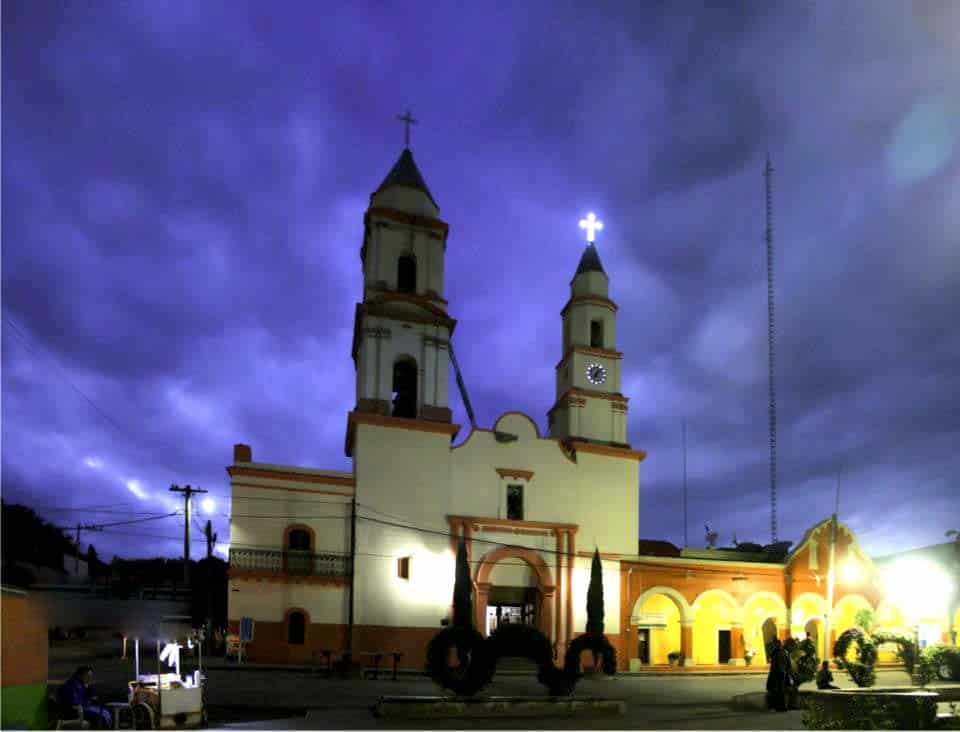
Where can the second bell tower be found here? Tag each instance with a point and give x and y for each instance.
(589, 405)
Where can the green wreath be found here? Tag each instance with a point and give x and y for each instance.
(906, 648)
(601, 648)
(862, 671)
(475, 668)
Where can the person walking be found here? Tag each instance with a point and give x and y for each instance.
(777, 676)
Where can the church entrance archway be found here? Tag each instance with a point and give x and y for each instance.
(514, 585)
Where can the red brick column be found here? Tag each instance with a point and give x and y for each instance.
(686, 642)
(736, 646)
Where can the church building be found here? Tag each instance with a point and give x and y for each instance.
(323, 559)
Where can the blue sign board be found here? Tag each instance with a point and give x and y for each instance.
(246, 630)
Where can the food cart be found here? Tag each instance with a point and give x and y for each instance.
(168, 700)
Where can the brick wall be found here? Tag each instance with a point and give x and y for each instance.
(23, 650)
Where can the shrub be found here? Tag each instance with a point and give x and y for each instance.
(870, 712)
(933, 658)
(675, 657)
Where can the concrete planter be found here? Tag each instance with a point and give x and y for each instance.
(909, 708)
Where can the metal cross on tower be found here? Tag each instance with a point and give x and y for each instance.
(407, 120)
(592, 225)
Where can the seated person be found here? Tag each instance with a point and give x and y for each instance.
(75, 692)
(824, 677)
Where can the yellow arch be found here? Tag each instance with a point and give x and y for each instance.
(852, 596)
(766, 595)
(818, 600)
(737, 609)
(686, 612)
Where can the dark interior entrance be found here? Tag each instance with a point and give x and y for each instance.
(723, 646)
(518, 605)
(643, 645)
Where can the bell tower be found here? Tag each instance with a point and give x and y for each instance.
(589, 405)
(401, 328)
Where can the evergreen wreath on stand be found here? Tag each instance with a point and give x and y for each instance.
(862, 671)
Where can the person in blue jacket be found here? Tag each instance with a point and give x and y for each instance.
(75, 692)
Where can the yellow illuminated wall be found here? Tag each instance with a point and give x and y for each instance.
(713, 612)
(662, 640)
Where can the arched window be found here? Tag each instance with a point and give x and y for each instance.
(596, 334)
(296, 628)
(298, 540)
(405, 388)
(407, 274)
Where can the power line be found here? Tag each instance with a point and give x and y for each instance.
(99, 526)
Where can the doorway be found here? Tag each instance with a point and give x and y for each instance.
(723, 646)
(643, 645)
(516, 605)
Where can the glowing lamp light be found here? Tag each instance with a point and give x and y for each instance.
(919, 587)
(592, 225)
(851, 573)
(207, 505)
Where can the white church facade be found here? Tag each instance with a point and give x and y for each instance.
(526, 503)
(531, 507)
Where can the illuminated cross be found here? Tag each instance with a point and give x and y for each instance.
(407, 121)
(591, 225)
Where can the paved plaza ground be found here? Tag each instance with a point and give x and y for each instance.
(252, 698)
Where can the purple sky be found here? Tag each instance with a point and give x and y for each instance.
(183, 191)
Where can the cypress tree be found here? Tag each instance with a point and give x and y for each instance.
(595, 596)
(463, 590)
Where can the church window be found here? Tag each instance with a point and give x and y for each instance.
(403, 568)
(407, 274)
(405, 388)
(298, 540)
(296, 628)
(515, 502)
(596, 334)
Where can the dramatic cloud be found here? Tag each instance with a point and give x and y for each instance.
(183, 191)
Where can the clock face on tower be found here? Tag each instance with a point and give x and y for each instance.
(596, 374)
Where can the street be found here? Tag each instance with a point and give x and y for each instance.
(252, 698)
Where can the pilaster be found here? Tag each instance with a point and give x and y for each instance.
(686, 642)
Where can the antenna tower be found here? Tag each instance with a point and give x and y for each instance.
(771, 337)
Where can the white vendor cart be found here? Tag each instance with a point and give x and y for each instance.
(168, 700)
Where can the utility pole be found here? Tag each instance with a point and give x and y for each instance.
(76, 556)
(187, 492)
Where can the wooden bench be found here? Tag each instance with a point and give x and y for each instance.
(327, 657)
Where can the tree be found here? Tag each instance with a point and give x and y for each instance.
(463, 590)
(595, 595)
(865, 619)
